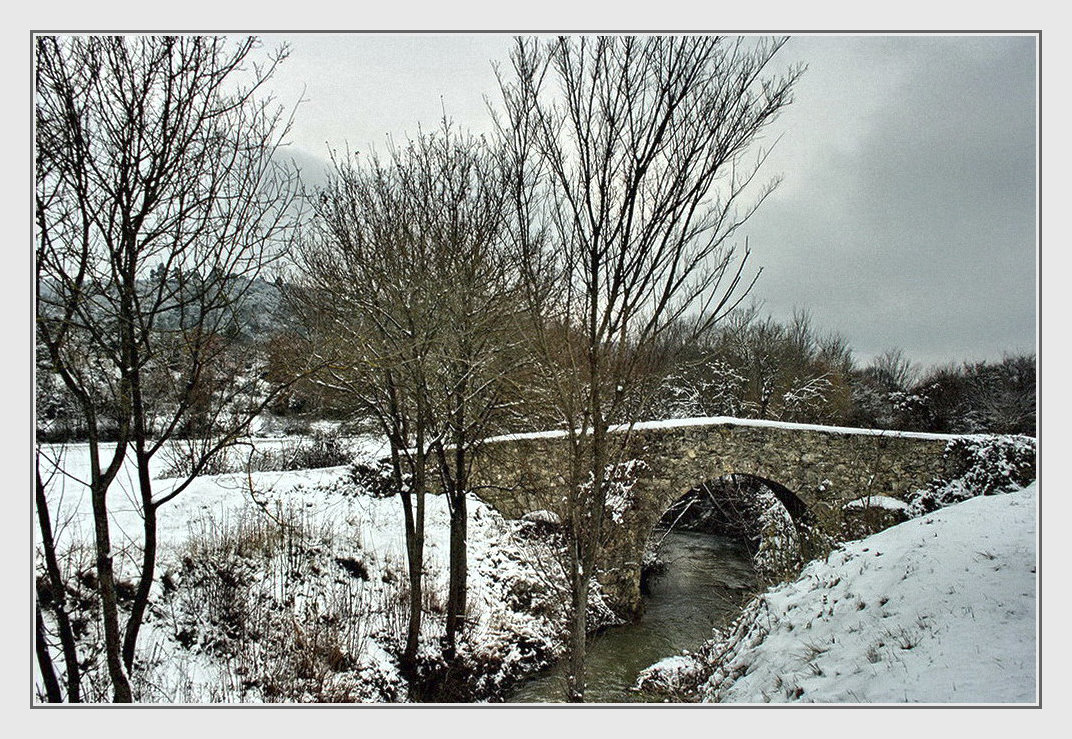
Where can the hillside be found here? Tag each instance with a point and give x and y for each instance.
(939, 609)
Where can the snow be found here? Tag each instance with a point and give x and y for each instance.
(675, 423)
(517, 613)
(939, 609)
(221, 495)
(884, 502)
(542, 516)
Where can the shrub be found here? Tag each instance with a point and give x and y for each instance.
(321, 449)
(978, 465)
(253, 594)
(372, 476)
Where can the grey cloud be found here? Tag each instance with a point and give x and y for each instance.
(913, 223)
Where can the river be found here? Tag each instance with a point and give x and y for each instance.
(707, 580)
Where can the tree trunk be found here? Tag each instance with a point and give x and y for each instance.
(145, 488)
(109, 602)
(415, 550)
(458, 572)
(414, 515)
(148, 564)
(44, 661)
(59, 596)
(575, 684)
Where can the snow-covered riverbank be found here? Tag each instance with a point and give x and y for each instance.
(939, 609)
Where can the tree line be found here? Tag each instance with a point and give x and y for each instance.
(579, 267)
(757, 367)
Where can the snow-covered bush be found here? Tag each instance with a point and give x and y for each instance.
(978, 465)
(779, 550)
(675, 678)
(805, 397)
(371, 476)
(321, 449)
(521, 616)
(288, 618)
(869, 514)
(710, 388)
(518, 610)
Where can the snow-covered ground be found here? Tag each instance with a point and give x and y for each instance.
(348, 565)
(939, 609)
(65, 468)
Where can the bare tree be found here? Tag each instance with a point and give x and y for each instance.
(883, 392)
(56, 602)
(1002, 395)
(160, 198)
(789, 371)
(365, 292)
(893, 371)
(629, 159)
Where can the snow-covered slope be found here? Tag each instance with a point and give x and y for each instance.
(225, 570)
(940, 609)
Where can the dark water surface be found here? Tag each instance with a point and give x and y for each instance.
(706, 581)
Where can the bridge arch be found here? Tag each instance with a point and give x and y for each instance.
(768, 518)
(745, 485)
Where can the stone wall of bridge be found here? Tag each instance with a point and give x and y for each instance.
(823, 467)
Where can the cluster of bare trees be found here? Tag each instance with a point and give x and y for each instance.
(409, 291)
(993, 397)
(544, 276)
(753, 367)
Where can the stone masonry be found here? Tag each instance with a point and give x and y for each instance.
(823, 467)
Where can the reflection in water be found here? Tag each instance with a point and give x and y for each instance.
(706, 581)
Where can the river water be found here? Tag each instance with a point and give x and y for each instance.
(707, 580)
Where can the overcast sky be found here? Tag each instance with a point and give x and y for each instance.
(906, 213)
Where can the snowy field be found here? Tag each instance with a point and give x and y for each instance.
(939, 609)
(65, 468)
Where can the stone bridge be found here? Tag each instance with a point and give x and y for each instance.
(814, 470)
